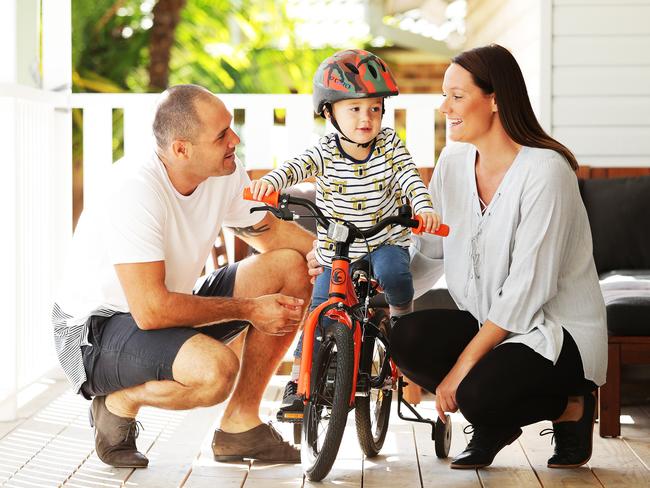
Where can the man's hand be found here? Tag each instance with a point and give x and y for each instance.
(313, 267)
(276, 314)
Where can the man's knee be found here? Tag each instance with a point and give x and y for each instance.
(208, 368)
(291, 262)
(272, 271)
(217, 377)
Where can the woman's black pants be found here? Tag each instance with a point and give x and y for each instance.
(511, 386)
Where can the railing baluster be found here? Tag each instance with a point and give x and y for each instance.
(257, 133)
(299, 123)
(97, 148)
(138, 120)
(420, 133)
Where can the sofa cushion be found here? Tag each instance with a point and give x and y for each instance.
(618, 212)
(627, 298)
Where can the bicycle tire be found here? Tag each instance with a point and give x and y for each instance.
(372, 412)
(331, 388)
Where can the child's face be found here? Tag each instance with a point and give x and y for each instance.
(360, 120)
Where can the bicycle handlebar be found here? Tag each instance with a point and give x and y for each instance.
(277, 203)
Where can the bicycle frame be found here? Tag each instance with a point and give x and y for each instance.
(342, 296)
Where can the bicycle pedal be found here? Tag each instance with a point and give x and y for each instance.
(289, 417)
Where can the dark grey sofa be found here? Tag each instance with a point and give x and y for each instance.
(619, 216)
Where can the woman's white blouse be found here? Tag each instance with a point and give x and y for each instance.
(526, 263)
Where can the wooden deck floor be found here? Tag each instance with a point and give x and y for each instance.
(52, 445)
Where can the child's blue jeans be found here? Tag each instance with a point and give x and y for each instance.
(390, 267)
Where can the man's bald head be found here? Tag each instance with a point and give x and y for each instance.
(177, 116)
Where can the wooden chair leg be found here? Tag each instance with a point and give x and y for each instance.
(610, 395)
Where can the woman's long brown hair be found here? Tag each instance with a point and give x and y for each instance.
(495, 70)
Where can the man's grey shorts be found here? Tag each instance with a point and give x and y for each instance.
(122, 355)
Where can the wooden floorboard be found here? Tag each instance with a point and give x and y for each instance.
(52, 445)
(539, 449)
(615, 463)
(637, 433)
(435, 471)
(397, 463)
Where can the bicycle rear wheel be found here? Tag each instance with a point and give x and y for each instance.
(329, 403)
(372, 412)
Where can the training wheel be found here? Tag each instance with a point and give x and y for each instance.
(442, 439)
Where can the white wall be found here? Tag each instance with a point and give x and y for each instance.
(517, 26)
(601, 80)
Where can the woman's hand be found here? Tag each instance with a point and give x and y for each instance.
(484, 341)
(446, 391)
(313, 267)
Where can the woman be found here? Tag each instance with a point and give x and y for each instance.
(529, 340)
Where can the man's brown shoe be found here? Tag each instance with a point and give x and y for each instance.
(262, 443)
(115, 437)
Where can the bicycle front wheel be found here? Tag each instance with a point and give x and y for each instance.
(327, 409)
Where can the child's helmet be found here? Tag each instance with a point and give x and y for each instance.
(353, 73)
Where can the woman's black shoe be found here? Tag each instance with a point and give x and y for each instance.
(574, 440)
(484, 445)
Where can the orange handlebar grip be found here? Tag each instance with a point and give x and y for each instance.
(443, 229)
(271, 199)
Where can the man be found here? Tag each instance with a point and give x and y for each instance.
(128, 329)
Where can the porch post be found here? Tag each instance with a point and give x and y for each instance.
(35, 209)
(19, 38)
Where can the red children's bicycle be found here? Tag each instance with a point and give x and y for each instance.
(353, 368)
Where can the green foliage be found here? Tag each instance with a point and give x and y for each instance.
(242, 47)
(109, 52)
(245, 46)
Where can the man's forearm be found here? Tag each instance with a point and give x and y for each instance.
(180, 309)
(272, 233)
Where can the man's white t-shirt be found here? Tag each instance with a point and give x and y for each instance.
(141, 218)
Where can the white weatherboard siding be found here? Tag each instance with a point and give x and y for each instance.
(517, 26)
(601, 80)
(587, 68)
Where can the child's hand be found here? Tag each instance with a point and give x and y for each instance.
(260, 189)
(430, 220)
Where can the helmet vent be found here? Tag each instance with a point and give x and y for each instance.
(372, 70)
(352, 68)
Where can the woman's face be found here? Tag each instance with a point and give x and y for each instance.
(470, 112)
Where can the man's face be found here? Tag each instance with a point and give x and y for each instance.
(214, 146)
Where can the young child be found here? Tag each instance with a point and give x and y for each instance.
(363, 173)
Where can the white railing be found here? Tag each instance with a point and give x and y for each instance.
(36, 202)
(264, 144)
(35, 205)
